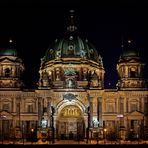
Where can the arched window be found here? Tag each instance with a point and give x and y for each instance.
(7, 72)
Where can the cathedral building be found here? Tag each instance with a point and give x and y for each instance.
(71, 101)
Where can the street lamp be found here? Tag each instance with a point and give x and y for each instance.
(119, 116)
(97, 137)
(88, 122)
(2, 134)
(32, 131)
(105, 130)
(52, 121)
(23, 133)
(138, 133)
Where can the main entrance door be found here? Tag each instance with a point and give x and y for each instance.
(70, 124)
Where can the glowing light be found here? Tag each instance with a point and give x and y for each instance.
(72, 11)
(120, 116)
(105, 130)
(2, 116)
(10, 41)
(32, 130)
(129, 41)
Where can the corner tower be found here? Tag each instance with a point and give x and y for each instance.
(11, 68)
(130, 69)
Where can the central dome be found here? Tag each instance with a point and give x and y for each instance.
(71, 46)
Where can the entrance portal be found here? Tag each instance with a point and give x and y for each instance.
(70, 124)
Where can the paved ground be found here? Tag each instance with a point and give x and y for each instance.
(66, 142)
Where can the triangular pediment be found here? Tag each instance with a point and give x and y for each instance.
(6, 115)
(6, 60)
(133, 61)
(135, 115)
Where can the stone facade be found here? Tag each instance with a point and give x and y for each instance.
(71, 101)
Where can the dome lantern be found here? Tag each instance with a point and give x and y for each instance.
(71, 27)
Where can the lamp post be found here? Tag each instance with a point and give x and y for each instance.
(119, 116)
(97, 137)
(23, 132)
(105, 130)
(138, 133)
(88, 122)
(52, 121)
(2, 132)
(32, 131)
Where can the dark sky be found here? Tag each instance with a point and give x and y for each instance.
(34, 25)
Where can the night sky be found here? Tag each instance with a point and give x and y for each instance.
(33, 26)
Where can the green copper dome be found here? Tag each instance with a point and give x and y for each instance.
(71, 46)
(130, 51)
(8, 52)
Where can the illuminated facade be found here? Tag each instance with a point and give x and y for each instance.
(71, 100)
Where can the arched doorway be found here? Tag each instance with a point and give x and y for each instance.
(70, 123)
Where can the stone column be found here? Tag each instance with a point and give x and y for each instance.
(126, 72)
(40, 110)
(90, 99)
(13, 105)
(100, 111)
(49, 110)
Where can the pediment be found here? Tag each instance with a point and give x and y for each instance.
(133, 61)
(135, 115)
(7, 60)
(6, 115)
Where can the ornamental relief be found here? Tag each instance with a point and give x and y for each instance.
(70, 110)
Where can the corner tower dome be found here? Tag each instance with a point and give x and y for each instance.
(71, 45)
(130, 51)
(9, 51)
(11, 69)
